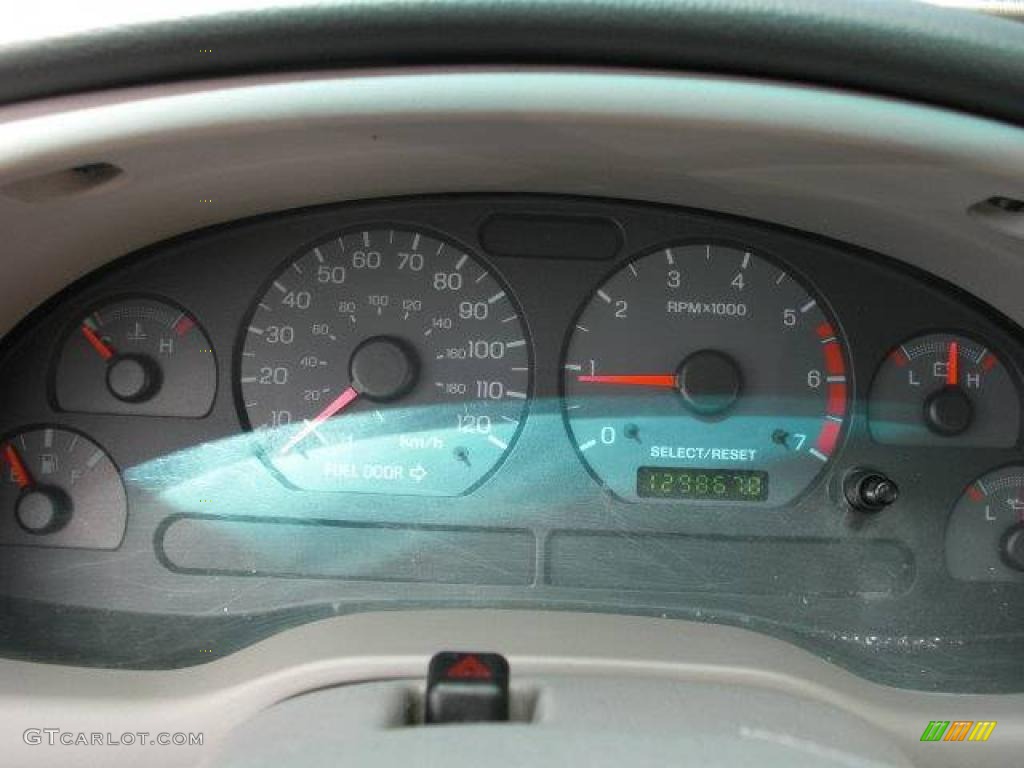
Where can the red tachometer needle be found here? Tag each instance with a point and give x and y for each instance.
(953, 365)
(656, 380)
(102, 348)
(336, 405)
(18, 470)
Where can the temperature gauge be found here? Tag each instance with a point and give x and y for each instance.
(137, 356)
(944, 390)
(59, 489)
(985, 536)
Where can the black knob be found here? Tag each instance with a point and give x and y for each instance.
(133, 378)
(1012, 548)
(709, 382)
(948, 411)
(43, 510)
(870, 491)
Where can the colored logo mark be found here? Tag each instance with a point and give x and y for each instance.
(958, 730)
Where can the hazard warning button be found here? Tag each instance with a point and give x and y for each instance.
(467, 688)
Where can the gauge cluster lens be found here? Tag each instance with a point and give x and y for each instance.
(705, 373)
(944, 390)
(385, 361)
(59, 489)
(137, 356)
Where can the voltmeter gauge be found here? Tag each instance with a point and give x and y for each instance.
(944, 390)
(985, 535)
(59, 489)
(137, 356)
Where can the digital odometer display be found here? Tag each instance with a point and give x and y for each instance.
(701, 484)
(385, 361)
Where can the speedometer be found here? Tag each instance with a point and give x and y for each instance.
(385, 361)
(705, 374)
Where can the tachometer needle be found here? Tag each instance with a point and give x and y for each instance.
(18, 471)
(666, 381)
(953, 365)
(102, 348)
(336, 405)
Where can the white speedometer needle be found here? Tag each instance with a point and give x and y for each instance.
(335, 406)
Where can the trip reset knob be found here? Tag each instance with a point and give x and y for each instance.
(869, 491)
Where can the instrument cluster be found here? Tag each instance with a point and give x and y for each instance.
(560, 369)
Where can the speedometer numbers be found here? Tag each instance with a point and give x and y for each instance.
(385, 361)
(705, 374)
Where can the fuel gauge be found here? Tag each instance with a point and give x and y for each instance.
(59, 489)
(944, 390)
(137, 356)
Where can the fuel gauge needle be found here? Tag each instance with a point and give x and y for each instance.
(18, 470)
(953, 365)
(340, 402)
(657, 380)
(103, 349)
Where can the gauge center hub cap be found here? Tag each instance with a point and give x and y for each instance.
(383, 368)
(709, 382)
(948, 411)
(132, 378)
(42, 510)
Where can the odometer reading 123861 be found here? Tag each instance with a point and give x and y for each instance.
(385, 361)
(705, 374)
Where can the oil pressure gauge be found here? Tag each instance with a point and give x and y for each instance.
(944, 390)
(985, 535)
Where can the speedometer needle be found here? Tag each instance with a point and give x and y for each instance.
(336, 405)
(657, 380)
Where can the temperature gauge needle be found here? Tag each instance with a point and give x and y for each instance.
(103, 349)
(668, 382)
(953, 365)
(336, 405)
(18, 470)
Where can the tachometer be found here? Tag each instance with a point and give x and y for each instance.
(385, 361)
(705, 373)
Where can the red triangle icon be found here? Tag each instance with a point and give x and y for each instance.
(469, 668)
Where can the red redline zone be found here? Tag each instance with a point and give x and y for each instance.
(835, 406)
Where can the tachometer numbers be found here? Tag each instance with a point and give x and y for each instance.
(385, 361)
(59, 489)
(705, 365)
(944, 390)
(137, 356)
